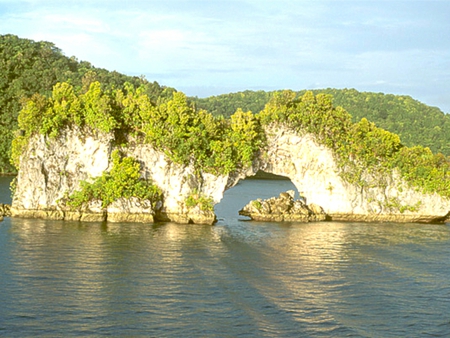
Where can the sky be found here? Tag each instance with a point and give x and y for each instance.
(214, 47)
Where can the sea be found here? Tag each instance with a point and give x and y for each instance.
(238, 278)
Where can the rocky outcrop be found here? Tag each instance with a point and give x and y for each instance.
(283, 209)
(313, 170)
(52, 168)
(5, 210)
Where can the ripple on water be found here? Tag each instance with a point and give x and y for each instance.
(237, 278)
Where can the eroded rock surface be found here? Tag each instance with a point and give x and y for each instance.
(283, 208)
(52, 168)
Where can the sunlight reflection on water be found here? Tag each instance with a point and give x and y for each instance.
(237, 278)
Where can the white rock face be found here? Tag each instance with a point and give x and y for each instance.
(314, 172)
(176, 182)
(53, 168)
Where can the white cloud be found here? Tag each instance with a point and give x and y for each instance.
(388, 45)
(75, 22)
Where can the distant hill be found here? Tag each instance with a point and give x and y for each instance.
(416, 123)
(28, 67)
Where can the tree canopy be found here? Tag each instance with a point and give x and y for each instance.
(171, 124)
(189, 135)
(28, 67)
(415, 123)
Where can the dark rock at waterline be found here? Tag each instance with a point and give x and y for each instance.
(283, 209)
(5, 210)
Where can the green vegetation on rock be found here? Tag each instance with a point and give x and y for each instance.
(416, 123)
(205, 203)
(172, 125)
(220, 146)
(123, 180)
(361, 147)
(29, 68)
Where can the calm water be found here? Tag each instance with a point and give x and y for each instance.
(235, 279)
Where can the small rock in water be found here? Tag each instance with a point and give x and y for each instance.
(283, 208)
(5, 210)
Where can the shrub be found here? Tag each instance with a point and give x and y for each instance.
(205, 203)
(123, 180)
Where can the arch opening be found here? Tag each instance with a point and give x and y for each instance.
(262, 185)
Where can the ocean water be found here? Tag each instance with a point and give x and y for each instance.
(235, 279)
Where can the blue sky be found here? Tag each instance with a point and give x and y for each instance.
(212, 47)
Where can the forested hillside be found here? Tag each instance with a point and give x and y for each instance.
(28, 67)
(415, 122)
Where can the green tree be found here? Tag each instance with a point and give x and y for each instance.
(245, 135)
(28, 67)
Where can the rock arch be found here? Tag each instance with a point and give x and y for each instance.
(52, 168)
(314, 172)
(309, 166)
(261, 186)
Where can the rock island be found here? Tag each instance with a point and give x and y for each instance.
(116, 156)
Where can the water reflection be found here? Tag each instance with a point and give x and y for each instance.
(242, 278)
(334, 270)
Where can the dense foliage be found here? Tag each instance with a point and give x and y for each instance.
(56, 92)
(226, 104)
(172, 125)
(28, 68)
(122, 181)
(415, 122)
(360, 147)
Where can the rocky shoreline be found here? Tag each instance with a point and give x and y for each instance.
(283, 208)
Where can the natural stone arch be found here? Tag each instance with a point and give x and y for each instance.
(309, 166)
(313, 170)
(262, 185)
(51, 168)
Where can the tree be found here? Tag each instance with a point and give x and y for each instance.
(28, 67)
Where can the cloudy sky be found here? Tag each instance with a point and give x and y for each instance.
(212, 47)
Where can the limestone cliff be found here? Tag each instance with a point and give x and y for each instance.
(314, 171)
(52, 168)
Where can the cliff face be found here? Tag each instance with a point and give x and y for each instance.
(314, 172)
(53, 168)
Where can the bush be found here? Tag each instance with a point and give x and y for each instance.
(205, 203)
(122, 181)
